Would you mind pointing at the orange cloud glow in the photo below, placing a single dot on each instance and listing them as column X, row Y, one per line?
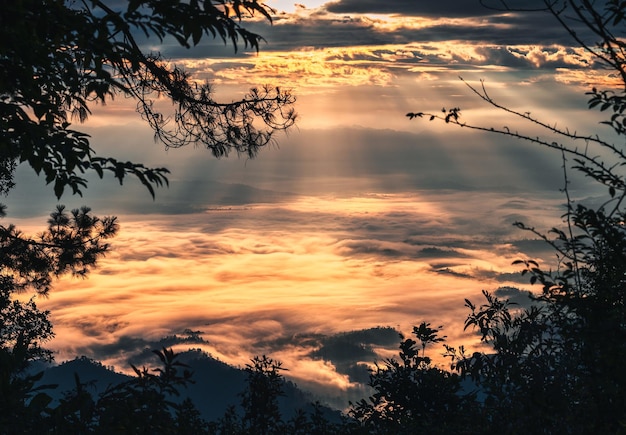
column 313, row 70
column 361, row 219
column 314, row 265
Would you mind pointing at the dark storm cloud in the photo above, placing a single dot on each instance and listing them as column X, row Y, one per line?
column 385, row 248
column 536, row 28
column 341, row 24
column 449, row 271
column 483, row 274
column 376, row 248
column 479, row 274
column 328, row 30
column 534, row 248
column 122, row 345
column 490, row 24
column 431, row 9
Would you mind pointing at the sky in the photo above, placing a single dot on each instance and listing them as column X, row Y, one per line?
column 358, row 223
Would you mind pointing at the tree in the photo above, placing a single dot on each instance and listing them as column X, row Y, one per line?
column 72, row 244
column 414, row 396
column 259, row 400
column 58, row 58
column 556, row 367
column 145, row 404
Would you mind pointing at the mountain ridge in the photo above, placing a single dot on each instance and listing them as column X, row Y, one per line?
column 215, row 385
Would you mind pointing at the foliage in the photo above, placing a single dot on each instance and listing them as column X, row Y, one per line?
column 58, row 58
column 72, row 244
column 152, row 402
column 556, row 367
column 143, row 404
column 260, row 399
column 259, row 411
column 414, row 396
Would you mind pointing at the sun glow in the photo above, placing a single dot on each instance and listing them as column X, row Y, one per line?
column 323, row 265
column 360, row 218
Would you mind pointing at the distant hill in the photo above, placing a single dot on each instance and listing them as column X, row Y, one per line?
column 216, row 384
column 90, row 372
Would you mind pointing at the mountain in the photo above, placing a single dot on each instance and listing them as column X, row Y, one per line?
column 216, row 385
column 90, row 372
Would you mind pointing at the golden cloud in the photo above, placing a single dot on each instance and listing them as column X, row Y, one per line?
column 258, row 280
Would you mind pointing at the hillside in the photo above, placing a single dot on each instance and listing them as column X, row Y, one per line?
column 215, row 387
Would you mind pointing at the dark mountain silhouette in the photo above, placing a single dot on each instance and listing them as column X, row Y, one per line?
column 90, row 372
column 216, row 385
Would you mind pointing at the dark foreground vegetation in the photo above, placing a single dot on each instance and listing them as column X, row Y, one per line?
column 556, row 367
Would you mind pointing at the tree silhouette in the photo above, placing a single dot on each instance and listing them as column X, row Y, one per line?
column 144, row 404
column 414, row 396
column 58, row 58
column 260, row 398
column 260, row 412
column 556, row 367
column 72, row 244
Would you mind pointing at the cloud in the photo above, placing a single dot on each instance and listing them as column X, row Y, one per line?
column 360, row 224
column 322, row 282
column 353, row 353
column 516, row 296
column 349, row 353
column 361, row 221
column 434, row 252
column 461, row 24
column 336, row 160
column 347, row 23
column 446, row 8
column 217, row 272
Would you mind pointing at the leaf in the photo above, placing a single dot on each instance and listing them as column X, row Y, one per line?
column 96, row 167
column 39, row 402
column 196, row 34
column 59, row 186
